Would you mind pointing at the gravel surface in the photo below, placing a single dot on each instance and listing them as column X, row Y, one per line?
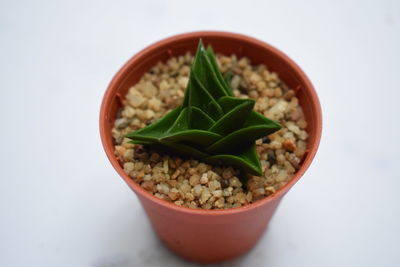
column 189, row 182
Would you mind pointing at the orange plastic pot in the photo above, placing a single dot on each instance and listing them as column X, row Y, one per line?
column 210, row 235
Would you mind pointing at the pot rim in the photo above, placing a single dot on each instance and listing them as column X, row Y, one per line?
column 109, row 149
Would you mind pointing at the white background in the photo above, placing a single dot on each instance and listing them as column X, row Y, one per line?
column 61, row 202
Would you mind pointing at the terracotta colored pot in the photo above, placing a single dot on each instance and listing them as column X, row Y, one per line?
column 210, row 235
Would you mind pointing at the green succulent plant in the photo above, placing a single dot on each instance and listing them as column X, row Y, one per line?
column 210, row 124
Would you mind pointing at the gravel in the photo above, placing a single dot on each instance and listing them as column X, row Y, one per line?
column 190, row 182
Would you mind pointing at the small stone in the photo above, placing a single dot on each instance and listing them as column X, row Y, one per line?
column 282, row 176
column 228, row 191
column 189, row 196
column 240, row 198
column 258, row 193
column 218, row 193
column 202, row 167
column 140, row 176
column 266, row 140
column 219, row 203
column 270, row 190
column 135, row 98
column 235, row 182
column 204, row 178
column 214, row 185
column 213, row 176
column 276, row 145
column 172, row 183
column 148, row 185
column 179, row 202
column 185, row 188
column 224, row 183
column 122, row 123
column 289, row 95
column 175, row 174
column 289, row 145
column 271, row 157
column 228, row 173
column 293, row 128
column 128, row 112
column 154, row 104
column 173, row 194
column 230, row 199
column 128, row 167
column 249, row 197
column 302, row 123
column 197, row 190
column 281, row 159
column 301, row 149
column 154, row 157
column 163, row 188
column 303, row 135
column 149, row 114
column 289, row 167
column 149, row 90
column 295, row 115
column 194, row 179
column 205, row 195
column 165, row 166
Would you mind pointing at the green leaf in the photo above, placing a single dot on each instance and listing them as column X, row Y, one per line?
column 256, row 127
column 181, row 123
column 214, row 64
column 228, row 77
column 235, row 117
column 204, row 70
column 198, row 96
column 199, row 119
column 246, row 160
column 157, row 129
column 256, row 118
column 182, row 149
column 194, row 137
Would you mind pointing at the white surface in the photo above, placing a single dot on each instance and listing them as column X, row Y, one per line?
column 61, row 202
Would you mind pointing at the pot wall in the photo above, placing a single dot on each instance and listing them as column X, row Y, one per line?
column 209, row 238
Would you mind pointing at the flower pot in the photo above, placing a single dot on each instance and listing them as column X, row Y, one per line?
column 210, row 235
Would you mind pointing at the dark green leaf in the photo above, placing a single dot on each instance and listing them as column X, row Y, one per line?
column 228, row 77
column 199, row 119
column 235, row 117
column 246, row 160
column 215, row 68
column 206, row 73
column 255, row 127
column 157, row 129
column 195, row 137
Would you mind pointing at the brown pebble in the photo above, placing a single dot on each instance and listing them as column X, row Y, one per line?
column 228, row 173
column 173, row 194
column 172, row 183
column 224, row 183
column 295, row 115
column 194, row 180
column 148, row 185
column 289, row 95
column 289, row 145
column 139, row 177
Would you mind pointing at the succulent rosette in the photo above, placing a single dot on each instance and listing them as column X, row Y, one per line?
column 210, row 124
